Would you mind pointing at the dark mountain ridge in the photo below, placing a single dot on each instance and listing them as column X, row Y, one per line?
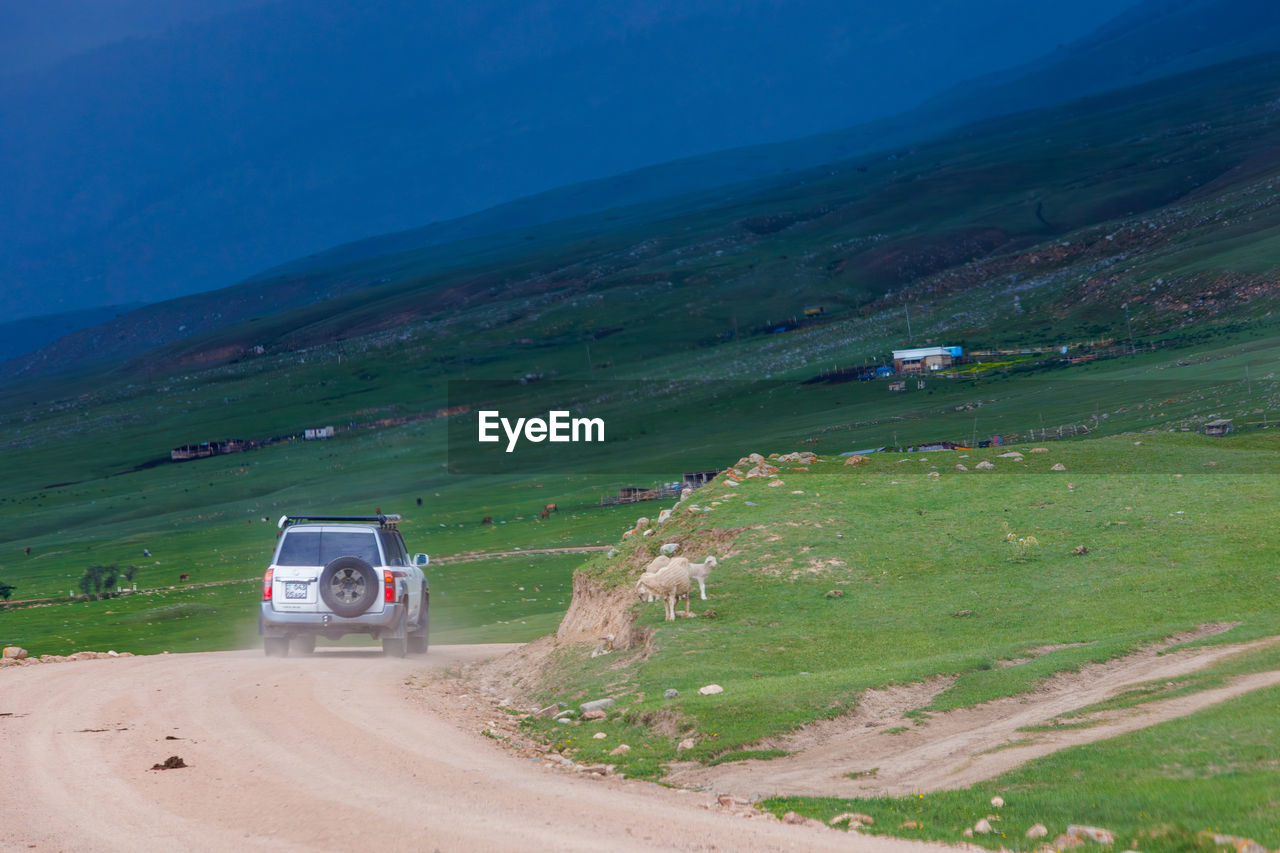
column 1063, row 213
column 183, row 160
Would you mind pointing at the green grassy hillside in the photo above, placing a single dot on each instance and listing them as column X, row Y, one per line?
column 1138, row 230
column 901, row 568
column 1034, row 226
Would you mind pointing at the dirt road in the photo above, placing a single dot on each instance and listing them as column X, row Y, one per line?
column 889, row 755
column 333, row 752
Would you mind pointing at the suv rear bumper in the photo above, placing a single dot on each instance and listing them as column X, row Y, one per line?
column 277, row 624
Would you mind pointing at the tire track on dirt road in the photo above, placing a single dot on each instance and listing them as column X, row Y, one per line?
column 334, row 751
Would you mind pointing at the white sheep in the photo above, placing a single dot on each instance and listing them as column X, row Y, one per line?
column 668, row 583
column 654, row 565
column 700, row 571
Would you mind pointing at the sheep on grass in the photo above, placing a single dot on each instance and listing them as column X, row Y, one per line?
column 700, row 571
column 653, row 567
column 668, row 583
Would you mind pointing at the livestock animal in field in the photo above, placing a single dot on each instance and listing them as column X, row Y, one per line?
column 544, row 514
column 654, row 565
column 488, row 519
column 668, row 583
column 700, row 571
column 551, row 508
column 184, row 577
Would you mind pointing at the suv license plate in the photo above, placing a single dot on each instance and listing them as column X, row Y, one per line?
column 296, row 589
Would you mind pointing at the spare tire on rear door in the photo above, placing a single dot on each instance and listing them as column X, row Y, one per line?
column 349, row 585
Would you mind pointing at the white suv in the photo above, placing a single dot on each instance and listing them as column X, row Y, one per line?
column 336, row 575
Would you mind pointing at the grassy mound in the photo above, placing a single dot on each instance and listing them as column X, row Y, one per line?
column 842, row 578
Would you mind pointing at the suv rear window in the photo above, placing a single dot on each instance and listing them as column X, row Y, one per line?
column 314, row 548
column 393, row 547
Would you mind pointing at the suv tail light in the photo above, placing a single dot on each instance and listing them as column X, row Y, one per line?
column 388, row 586
column 266, row 584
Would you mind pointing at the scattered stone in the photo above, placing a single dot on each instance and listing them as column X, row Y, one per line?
column 669, row 548
column 982, row 827
column 792, row 818
column 1092, row 833
column 911, row 824
column 855, row 820
column 710, row 690
column 1037, row 831
column 985, row 465
column 1066, row 841
column 1079, row 550
column 551, row 710
column 613, row 552
column 564, row 721
column 834, row 593
column 1045, row 449
column 855, row 460
column 594, row 715
column 670, row 693
column 960, row 466
column 963, row 613
column 1058, row 466
column 1240, row 845
column 620, row 749
column 1012, row 454
column 648, row 532
column 641, row 523
column 596, row 705
column 968, row 832
column 173, row 762
column 599, row 736
column 687, row 743
column 15, row 652
column 997, row 801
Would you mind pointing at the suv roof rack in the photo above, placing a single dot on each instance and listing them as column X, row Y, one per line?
column 390, row 520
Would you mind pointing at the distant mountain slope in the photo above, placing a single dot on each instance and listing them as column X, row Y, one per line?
column 1039, row 224
column 23, row 336
column 1154, row 39
column 191, row 158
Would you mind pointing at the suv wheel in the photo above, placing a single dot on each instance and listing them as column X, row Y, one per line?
column 275, row 647
column 349, row 586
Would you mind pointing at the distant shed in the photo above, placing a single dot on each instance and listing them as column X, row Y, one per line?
column 1219, row 428
column 923, row 359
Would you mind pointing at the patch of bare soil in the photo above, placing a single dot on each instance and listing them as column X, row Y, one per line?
column 878, row 751
column 1039, row 651
column 339, row 751
column 599, row 614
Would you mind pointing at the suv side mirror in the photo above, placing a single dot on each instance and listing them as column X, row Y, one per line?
column 421, row 560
